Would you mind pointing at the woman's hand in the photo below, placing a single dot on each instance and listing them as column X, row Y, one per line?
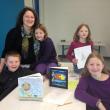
column 1, row 67
column 2, row 62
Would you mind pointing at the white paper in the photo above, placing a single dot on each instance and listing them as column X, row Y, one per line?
column 58, row 97
column 81, row 54
column 61, row 67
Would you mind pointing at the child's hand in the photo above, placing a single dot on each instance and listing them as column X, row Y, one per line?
column 101, row 106
column 74, row 61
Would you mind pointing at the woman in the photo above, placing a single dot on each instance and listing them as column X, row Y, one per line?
column 20, row 38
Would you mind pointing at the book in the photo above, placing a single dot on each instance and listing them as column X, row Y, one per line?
column 81, row 54
column 31, row 87
column 59, row 77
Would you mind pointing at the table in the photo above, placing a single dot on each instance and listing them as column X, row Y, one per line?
column 11, row 102
column 99, row 44
column 65, row 45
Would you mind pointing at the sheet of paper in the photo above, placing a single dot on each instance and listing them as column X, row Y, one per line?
column 58, row 97
column 73, row 84
column 81, row 54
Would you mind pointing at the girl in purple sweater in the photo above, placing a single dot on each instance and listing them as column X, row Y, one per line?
column 47, row 53
column 94, row 85
column 82, row 37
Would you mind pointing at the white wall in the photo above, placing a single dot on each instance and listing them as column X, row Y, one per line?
column 62, row 17
column 28, row 3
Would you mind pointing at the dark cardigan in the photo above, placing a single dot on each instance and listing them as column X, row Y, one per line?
column 13, row 42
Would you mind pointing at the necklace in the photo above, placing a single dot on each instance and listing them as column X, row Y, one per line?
column 101, row 77
column 97, row 77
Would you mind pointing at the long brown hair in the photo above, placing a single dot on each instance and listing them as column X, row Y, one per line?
column 76, row 37
column 43, row 28
column 19, row 21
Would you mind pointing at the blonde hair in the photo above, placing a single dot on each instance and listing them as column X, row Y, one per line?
column 94, row 54
column 12, row 53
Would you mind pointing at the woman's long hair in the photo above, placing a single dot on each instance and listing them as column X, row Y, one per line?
column 19, row 21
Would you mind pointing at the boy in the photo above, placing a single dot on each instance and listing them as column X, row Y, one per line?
column 10, row 73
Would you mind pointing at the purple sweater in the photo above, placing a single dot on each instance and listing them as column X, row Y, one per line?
column 47, row 53
column 90, row 90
